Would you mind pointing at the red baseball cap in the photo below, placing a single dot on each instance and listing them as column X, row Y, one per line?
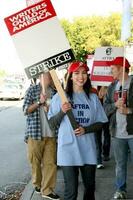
column 119, row 61
column 75, row 65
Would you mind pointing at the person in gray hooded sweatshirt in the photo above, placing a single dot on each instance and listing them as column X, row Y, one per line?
column 118, row 105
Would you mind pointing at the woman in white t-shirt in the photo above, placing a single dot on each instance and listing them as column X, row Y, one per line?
column 77, row 148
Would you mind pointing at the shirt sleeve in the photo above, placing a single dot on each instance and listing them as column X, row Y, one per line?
column 55, row 115
column 54, row 107
column 108, row 104
column 27, row 100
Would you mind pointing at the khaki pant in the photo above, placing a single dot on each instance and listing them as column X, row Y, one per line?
column 42, row 156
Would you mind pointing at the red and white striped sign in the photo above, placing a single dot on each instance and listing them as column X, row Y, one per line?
column 101, row 71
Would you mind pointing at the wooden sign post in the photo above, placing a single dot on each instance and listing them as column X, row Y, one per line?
column 63, row 98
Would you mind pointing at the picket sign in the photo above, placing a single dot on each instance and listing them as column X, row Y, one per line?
column 41, row 43
column 101, row 71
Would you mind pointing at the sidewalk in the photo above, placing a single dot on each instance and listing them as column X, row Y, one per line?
column 104, row 184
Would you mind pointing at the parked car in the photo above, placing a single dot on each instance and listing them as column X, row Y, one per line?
column 11, row 91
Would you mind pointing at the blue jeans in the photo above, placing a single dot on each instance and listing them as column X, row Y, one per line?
column 71, row 174
column 121, row 148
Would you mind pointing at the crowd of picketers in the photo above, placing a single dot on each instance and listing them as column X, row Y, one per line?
column 100, row 113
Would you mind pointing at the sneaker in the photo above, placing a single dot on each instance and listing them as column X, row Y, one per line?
column 100, row 166
column 51, row 196
column 37, row 190
column 106, row 158
column 120, row 195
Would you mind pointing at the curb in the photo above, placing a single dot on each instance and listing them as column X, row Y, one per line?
column 28, row 192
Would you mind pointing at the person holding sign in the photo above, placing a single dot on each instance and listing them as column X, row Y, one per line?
column 77, row 148
column 40, row 139
column 118, row 106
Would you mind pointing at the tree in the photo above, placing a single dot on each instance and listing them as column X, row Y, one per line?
column 85, row 34
column 111, row 34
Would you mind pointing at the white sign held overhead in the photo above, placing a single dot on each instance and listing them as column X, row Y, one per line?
column 39, row 38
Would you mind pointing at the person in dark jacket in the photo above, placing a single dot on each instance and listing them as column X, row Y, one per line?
column 118, row 105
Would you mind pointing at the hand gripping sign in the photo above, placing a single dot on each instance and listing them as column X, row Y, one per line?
column 40, row 43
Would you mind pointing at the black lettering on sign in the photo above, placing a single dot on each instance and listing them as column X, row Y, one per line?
column 50, row 63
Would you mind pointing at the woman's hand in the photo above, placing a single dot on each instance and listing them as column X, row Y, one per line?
column 79, row 131
column 65, row 107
